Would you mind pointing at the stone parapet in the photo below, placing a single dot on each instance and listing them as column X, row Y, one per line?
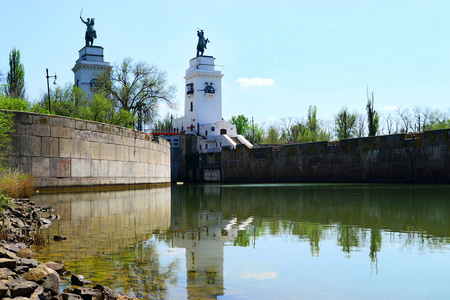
column 65, row 152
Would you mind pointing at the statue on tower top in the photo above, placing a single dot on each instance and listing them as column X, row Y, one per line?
column 91, row 34
column 201, row 45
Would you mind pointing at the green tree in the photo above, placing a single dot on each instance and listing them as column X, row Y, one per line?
column 16, row 76
column 257, row 134
column 273, row 135
column 6, row 128
column 13, row 103
column 242, row 124
column 165, row 124
column 312, row 118
column 345, row 123
column 69, row 101
column 372, row 115
column 136, row 88
column 100, row 110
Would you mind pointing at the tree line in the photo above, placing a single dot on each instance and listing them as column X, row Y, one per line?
column 346, row 124
column 128, row 94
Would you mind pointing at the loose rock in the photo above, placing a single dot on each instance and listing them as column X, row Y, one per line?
column 24, row 278
column 3, row 289
column 59, row 238
column 20, row 287
column 78, row 280
column 39, row 273
column 7, row 263
column 56, row 267
column 25, row 253
column 70, row 296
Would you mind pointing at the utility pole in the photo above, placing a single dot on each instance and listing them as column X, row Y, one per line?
column 253, row 129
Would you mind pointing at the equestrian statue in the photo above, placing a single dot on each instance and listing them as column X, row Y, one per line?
column 90, row 31
column 201, row 45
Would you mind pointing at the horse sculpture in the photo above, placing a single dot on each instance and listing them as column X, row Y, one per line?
column 201, row 45
column 91, row 34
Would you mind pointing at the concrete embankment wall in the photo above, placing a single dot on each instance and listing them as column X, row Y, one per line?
column 65, row 152
column 419, row 158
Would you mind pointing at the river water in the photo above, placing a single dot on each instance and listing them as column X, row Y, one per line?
column 287, row 241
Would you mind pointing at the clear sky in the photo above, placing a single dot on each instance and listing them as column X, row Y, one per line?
column 278, row 57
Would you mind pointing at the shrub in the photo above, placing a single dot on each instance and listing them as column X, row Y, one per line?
column 6, row 128
column 16, row 185
column 5, row 202
column 13, row 103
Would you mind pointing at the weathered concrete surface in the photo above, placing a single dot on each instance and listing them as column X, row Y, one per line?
column 66, row 152
column 400, row 158
column 397, row 158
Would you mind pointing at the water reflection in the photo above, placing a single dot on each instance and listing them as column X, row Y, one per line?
column 207, row 218
column 192, row 241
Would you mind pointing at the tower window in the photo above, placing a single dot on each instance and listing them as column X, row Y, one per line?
column 209, row 89
column 192, row 106
column 92, row 83
column 190, row 88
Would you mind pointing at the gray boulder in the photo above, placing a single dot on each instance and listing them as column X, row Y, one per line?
column 20, row 287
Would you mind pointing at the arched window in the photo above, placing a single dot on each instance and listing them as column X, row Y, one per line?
column 209, row 89
column 92, row 83
column 190, row 88
column 223, row 131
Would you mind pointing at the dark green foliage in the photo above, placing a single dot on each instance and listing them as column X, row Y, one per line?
column 241, row 122
column 6, row 128
column 372, row 116
column 16, row 76
column 312, row 118
column 345, row 124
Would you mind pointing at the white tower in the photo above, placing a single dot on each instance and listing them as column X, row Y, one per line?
column 203, row 100
column 89, row 64
column 203, row 108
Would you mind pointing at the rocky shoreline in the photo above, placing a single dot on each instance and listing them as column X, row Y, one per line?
column 22, row 277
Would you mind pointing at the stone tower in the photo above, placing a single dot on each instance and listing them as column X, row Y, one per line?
column 89, row 64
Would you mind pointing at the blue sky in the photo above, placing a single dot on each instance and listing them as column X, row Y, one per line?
column 278, row 57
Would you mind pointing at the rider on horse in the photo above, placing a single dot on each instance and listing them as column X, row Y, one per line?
column 201, row 45
column 90, row 31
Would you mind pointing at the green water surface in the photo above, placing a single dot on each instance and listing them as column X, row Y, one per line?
column 290, row 241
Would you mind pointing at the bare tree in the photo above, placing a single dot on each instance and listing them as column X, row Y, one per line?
column 418, row 118
column 389, row 123
column 286, row 131
column 136, row 88
column 361, row 125
column 405, row 119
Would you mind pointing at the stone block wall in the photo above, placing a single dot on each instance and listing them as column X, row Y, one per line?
column 66, row 152
column 400, row 158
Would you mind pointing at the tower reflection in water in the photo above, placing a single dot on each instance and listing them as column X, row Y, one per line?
column 200, row 227
column 125, row 239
